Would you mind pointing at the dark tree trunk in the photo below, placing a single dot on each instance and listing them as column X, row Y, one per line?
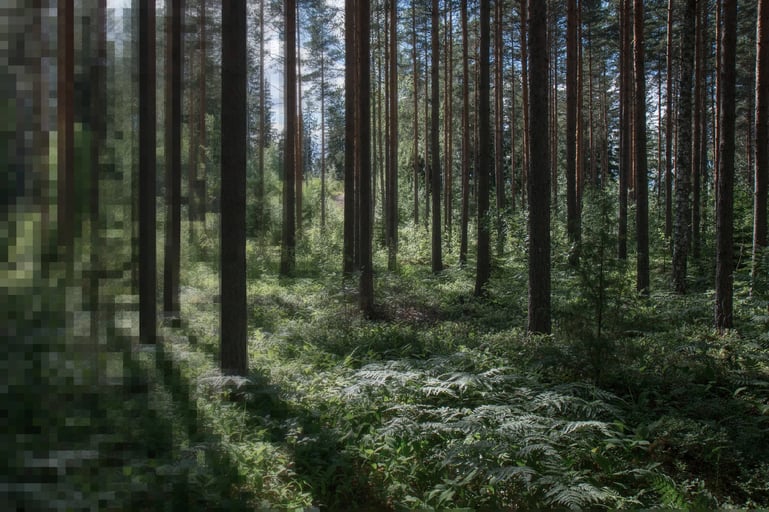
column 526, row 136
column 483, row 263
column 173, row 159
column 684, row 145
column 572, row 222
column 669, row 125
column 366, row 287
column 698, row 118
column 147, row 174
column 234, row 359
column 464, row 220
column 762, row 140
column 65, row 218
column 625, row 159
column 350, row 75
column 539, row 174
column 499, row 179
column 724, row 316
column 392, row 171
column 639, row 147
column 415, row 151
column 435, row 149
column 288, row 245
column 260, row 199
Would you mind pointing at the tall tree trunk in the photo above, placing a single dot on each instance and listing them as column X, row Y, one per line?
column 234, row 358
column 173, row 159
column 464, row 221
column 415, row 151
column 288, row 245
column 366, row 287
column 200, row 188
column 435, row 172
column 260, row 199
column 299, row 141
column 513, row 186
column 499, row 178
column 669, row 125
column 724, row 316
column 192, row 145
column 323, row 142
column 539, row 174
column 392, row 172
column 524, row 4
column 682, row 229
column 449, row 114
column 698, row 116
column 483, row 262
column 572, row 221
column 762, row 142
column 147, row 172
column 350, row 105
column 625, row 158
column 639, row 147
column 65, row 211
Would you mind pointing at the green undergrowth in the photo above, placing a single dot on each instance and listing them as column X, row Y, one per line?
column 443, row 402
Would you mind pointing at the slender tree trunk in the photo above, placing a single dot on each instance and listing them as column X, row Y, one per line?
column 762, row 142
column 415, row 151
column 698, row 116
column 499, row 179
column 173, row 159
column 724, row 315
column 288, row 246
column 525, row 98
column 625, row 163
column 435, row 171
column 572, row 222
column 682, row 226
column 669, row 125
column 193, row 145
column 234, row 358
column 539, row 174
column 200, row 188
column 65, row 210
column 350, row 105
column 513, row 187
column 483, row 263
column 260, row 199
column 299, row 141
column 639, row 147
column 449, row 114
column 323, row 142
column 147, row 172
column 465, row 137
column 392, row 174
column 366, row 287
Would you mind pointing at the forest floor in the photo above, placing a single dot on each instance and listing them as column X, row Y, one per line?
column 442, row 402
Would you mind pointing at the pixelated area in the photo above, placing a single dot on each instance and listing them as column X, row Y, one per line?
column 90, row 420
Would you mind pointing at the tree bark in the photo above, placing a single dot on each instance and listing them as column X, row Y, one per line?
column 366, row 287
column 499, row 178
column 435, row 171
column 682, row 231
column 724, row 315
column 539, row 174
column 464, row 221
column 234, row 360
column 525, row 137
column 572, row 222
column 147, row 174
column 173, row 159
column 639, row 147
column 669, row 125
column 392, row 171
column 762, row 141
column 483, row 261
column 350, row 75
column 625, row 159
column 288, row 245
column 65, row 212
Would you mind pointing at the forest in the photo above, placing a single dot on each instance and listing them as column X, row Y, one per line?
column 312, row 255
